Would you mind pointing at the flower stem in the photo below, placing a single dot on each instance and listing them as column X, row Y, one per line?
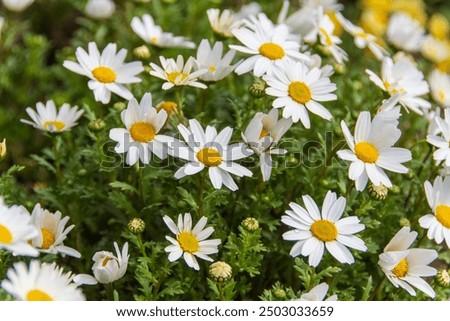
column 179, row 94
column 55, row 143
column 377, row 288
column 220, row 288
column 141, row 245
column 200, row 194
column 141, row 184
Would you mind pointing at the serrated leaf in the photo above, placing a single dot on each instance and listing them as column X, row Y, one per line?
column 125, row 187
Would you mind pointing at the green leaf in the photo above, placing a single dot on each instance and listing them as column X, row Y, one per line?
column 124, row 187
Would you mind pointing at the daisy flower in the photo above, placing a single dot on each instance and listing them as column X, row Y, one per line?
column 222, row 23
column 405, row 33
column 314, row 230
column 318, row 293
column 140, row 138
column 404, row 267
column 403, row 77
column 440, row 88
column 190, row 242
column 100, row 9
column 371, row 150
column 442, row 142
column 177, row 73
column 107, row 71
column 435, row 50
column 154, row 35
column 438, row 196
column 41, row 282
column 211, row 59
column 107, row 267
column 328, row 39
column 16, row 229
column 53, row 232
column 209, row 149
column 263, row 134
column 269, row 45
column 299, row 89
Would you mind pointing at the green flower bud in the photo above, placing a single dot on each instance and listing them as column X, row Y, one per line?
column 97, row 125
column 220, row 271
column 257, row 89
column 379, row 192
column 279, row 293
column 250, row 224
column 119, row 106
column 142, row 52
column 136, row 225
column 404, row 222
column 443, row 278
column 3, row 149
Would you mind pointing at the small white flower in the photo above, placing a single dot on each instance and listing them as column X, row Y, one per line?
column 211, row 59
column 153, row 34
column 405, row 267
column 405, row 33
column 41, row 282
column 316, row 229
column 53, row 232
column 16, row 229
column 263, row 134
column 190, row 242
column 438, row 196
column 403, row 77
column 440, row 88
column 328, row 39
column 209, row 149
column 177, row 73
column 17, row 5
column 299, row 89
column 100, row 9
column 442, row 142
column 317, row 293
column 47, row 118
column 107, row 267
column 107, row 71
column 222, row 23
column 435, row 50
column 141, row 136
column 269, row 45
column 371, row 150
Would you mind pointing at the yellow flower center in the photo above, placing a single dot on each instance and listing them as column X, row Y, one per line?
column 142, row 132
column 212, row 68
column 38, row 295
column 169, row 106
column 104, row 74
column 209, row 157
column 439, row 26
column 299, row 92
column 48, row 238
column 327, row 37
column 400, row 269
column 154, row 39
column 337, row 26
column 5, row 235
column 188, row 242
column 263, row 133
column 441, row 95
column 271, row 50
column 324, row 230
column 443, row 215
column 52, row 125
column 366, row 152
column 172, row 76
column 106, row 260
column 444, row 65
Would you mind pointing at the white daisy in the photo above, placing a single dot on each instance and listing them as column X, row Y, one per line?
column 302, row 22
column 53, row 232
column 107, row 71
column 211, row 59
column 328, row 39
column 16, row 229
column 154, row 35
column 209, row 149
column 318, row 293
column 190, row 242
column 107, row 267
column 263, row 134
column 442, row 142
column 299, row 89
column 141, row 136
column 371, row 150
column 47, row 118
column 405, row 33
column 177, row 73
column 100, row 9
column 17, row 5
column 435, row 50
column 403, row 77
column 405, row 267
column 314, row 230
column 269, row 45
column 438, row 196
column 41, row 282
column 440, row 87
column 362, row 39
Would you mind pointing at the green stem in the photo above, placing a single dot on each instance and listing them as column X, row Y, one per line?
column 200, row 196
column 109, row 291
column 141, row 245
column 220, row 288
column 179, row 94
column 141, row 184
column 56, row 156
column 160, row 280
column 375, row 291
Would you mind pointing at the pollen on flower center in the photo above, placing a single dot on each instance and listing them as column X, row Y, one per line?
column 324, row 230
column 212, row 68
column 106, row 260
column 53, row 125
column 271, row 50
column 104, row 74
column 299, row 91
column 169, row 106
column 48, row 238
column 209, row 157
column 401, row 269
column 263, row 133
column 188, row 242
column 366, row 152
column 142, row 132
column 38, row 295
column 172, row 76
column 443, row 215
column 5, row 235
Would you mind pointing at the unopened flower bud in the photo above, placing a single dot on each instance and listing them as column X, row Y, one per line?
column 97, row 125
column 142, row 52
column 250, row 224
column 378, row 192
column 220, row 271
column 3, row 149
column 257, row 89
column 136, row 225
column 169, row 106
column 279, row 293
column 443, row 278
column 119, row 106
column 404, row 222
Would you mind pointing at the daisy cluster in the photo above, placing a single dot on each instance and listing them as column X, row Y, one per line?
column 177, row 145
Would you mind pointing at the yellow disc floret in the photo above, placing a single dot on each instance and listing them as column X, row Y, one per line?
column 38, row 295
column 48, row 239
column 366, row 152
column 324, row 230
column 299, row 92
column 5, row 235
column 104, row 74
column 401, row 269
column 209, row 157
column 271, row 50
column 188, row 242
column 142, row 132
column 443, row 215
